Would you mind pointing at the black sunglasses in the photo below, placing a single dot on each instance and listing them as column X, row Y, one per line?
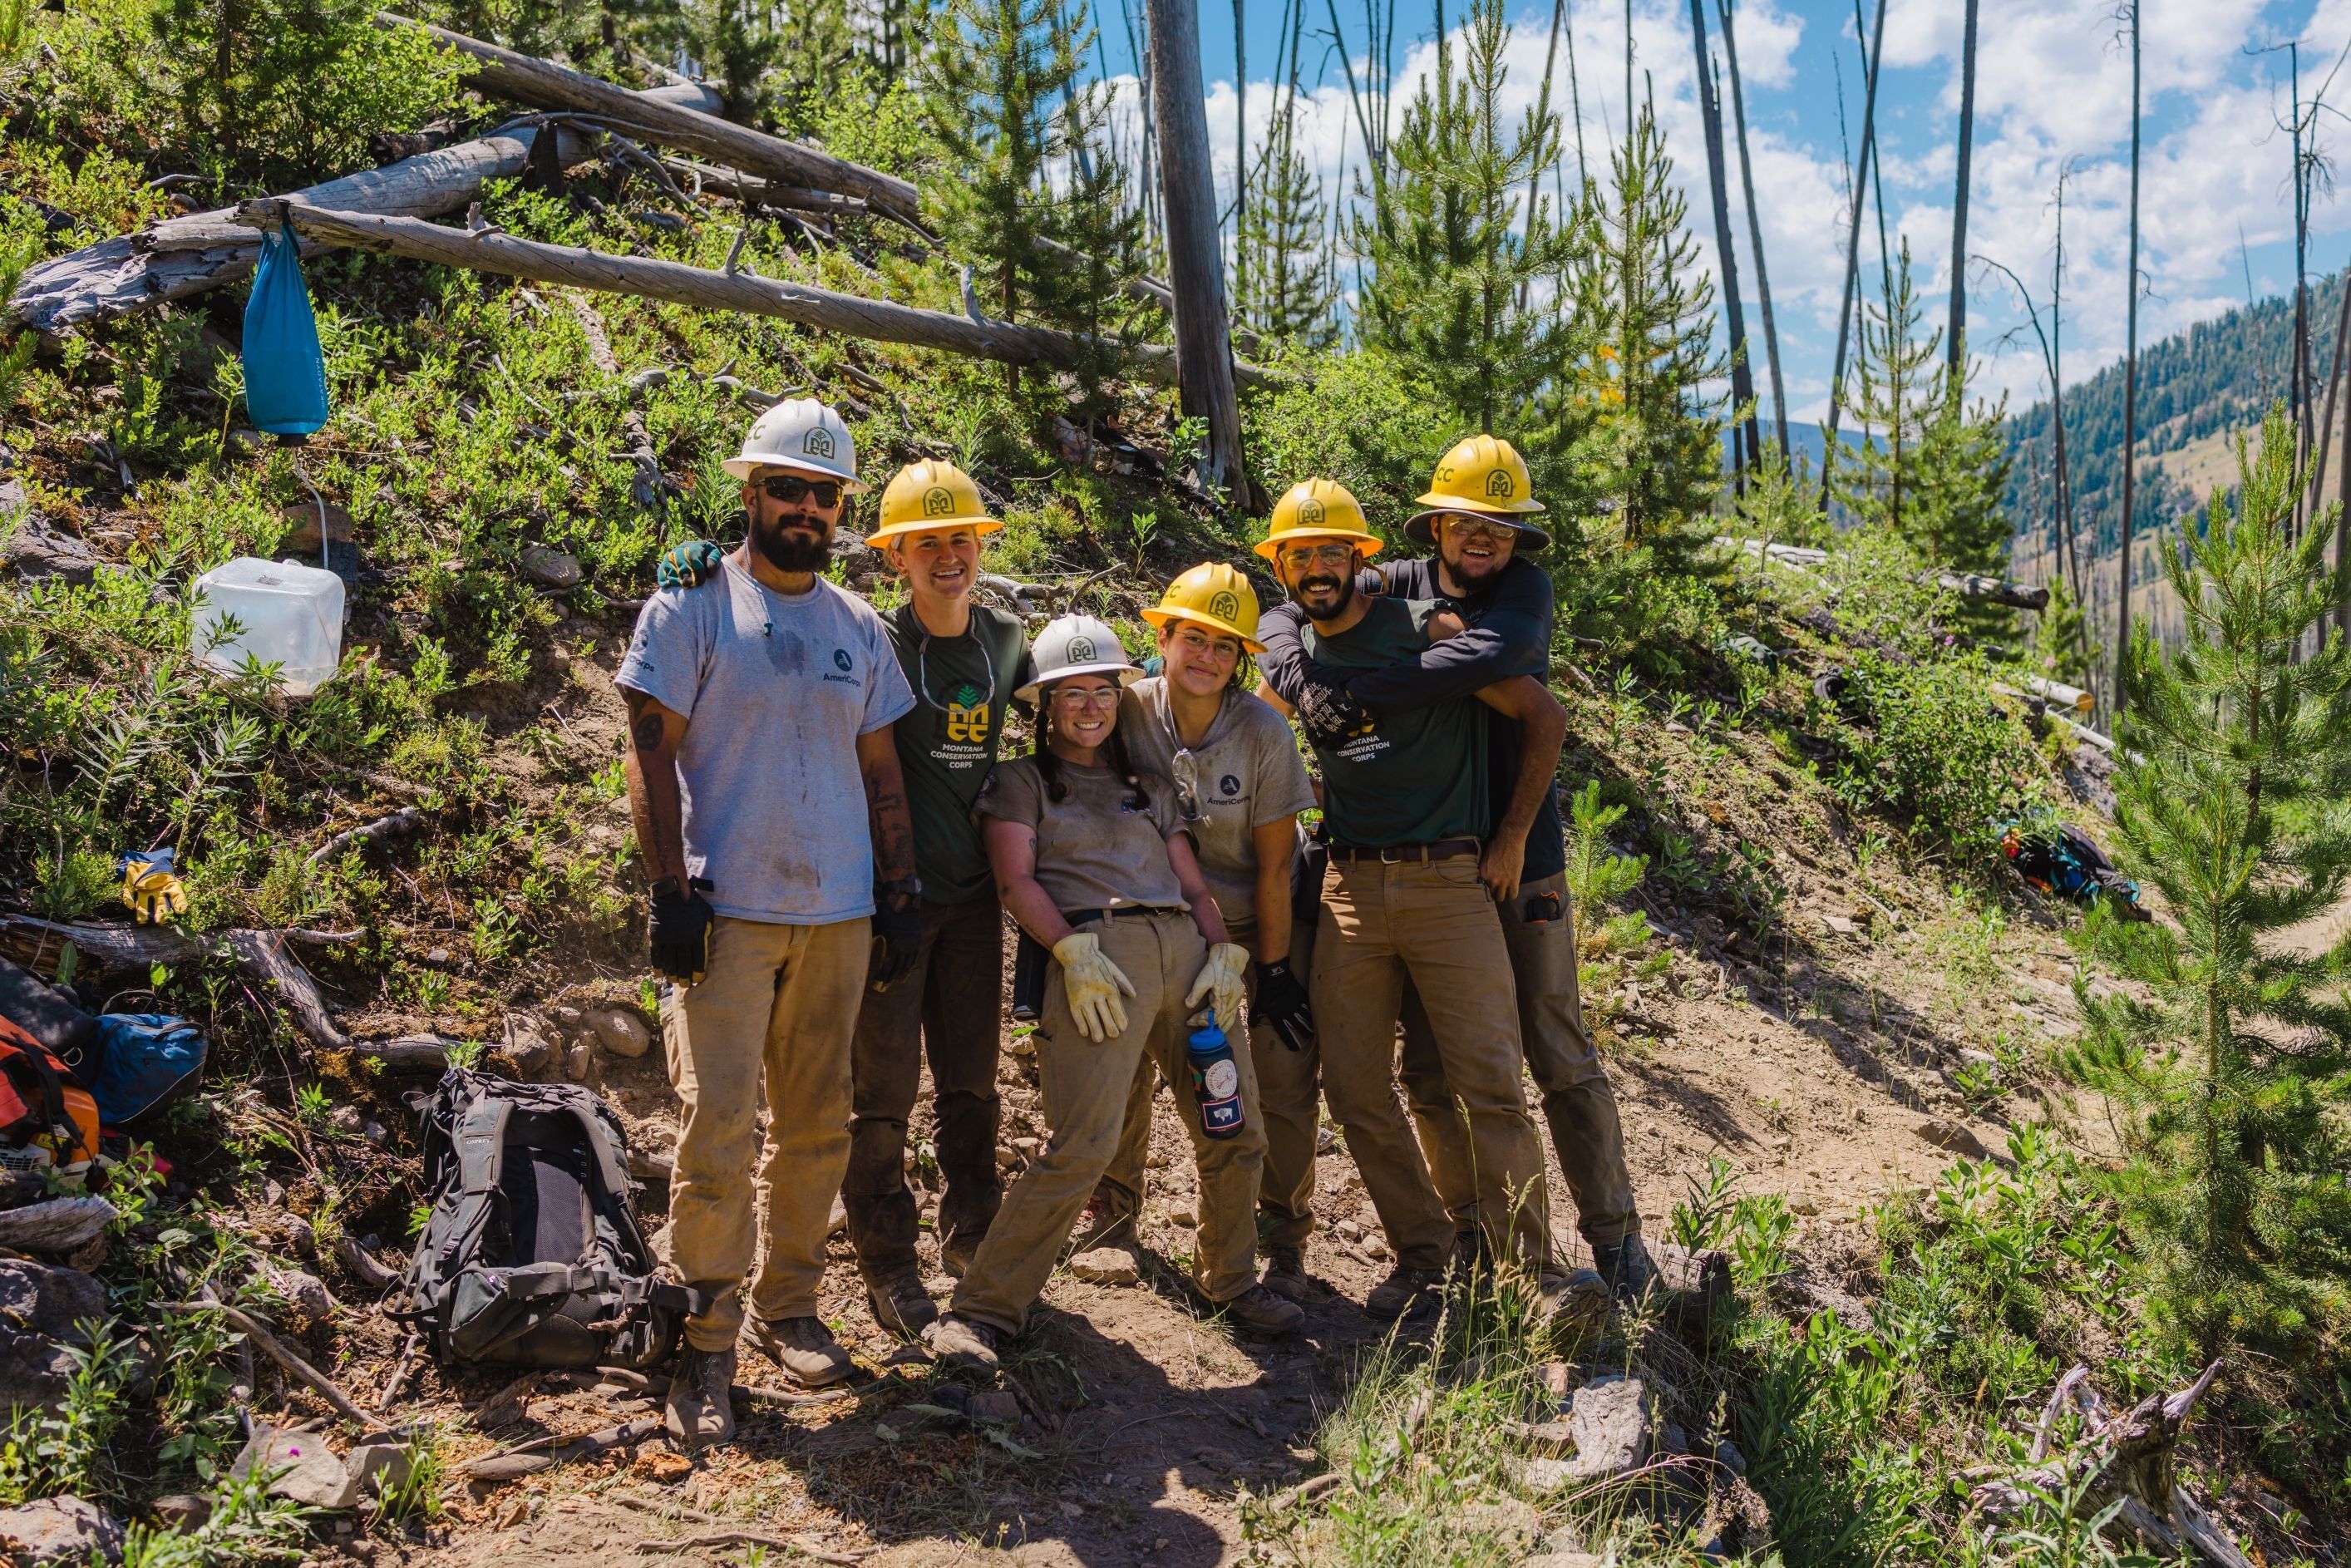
column 791, row 489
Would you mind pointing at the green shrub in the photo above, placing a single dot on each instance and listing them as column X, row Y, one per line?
column 1940, row 751
column 1362, row 419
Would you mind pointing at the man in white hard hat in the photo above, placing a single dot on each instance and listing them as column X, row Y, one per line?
column 772, row 818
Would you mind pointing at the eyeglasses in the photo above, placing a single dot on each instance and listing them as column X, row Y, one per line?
column 791, row 489
column 1304, row 556
column 1086, row 697
column 1461, row 527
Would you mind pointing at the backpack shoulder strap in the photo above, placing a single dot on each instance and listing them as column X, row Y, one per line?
column 481, row 1140
column 609, row 1163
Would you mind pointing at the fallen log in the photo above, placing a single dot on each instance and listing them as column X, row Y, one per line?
column 1966, row 584
column 262, row 955
column 649, row 487
column 546, row 1454
column 363, row 1265
column 851, row 315
column 187, row 255
column 398, row 825
column 543, row 84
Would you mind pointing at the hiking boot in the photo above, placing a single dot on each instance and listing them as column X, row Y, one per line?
column 805, row 1349
column 1260, row 1311
column 955, row 1256
column 1106, row 1222
column 699, row 1409
column 1625, row 1268
column 1471, row 1259
column 1285, row 1274
column 901, row 1304
column 963, row 1344
column 1405, row 1291
column 1577, row 1299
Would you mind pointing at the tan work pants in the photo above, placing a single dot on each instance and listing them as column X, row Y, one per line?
column 777, row 1001
column 1433, row 923
column 1577, row 1101
column 1086, row 1086
column 1290, row 1085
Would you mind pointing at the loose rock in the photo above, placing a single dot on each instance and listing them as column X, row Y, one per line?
column 1954, row 1137
column 305, row 1293
column 181, row 1510
column 377, row 1467
column 1509, row 1522
column 550, row 567
column 41, row 1312
column 61, row 1529
column 620, row 1031
column 1610, row 1420
column 996, row 1406
column 308, row 1472
column 1106, row 1266
column 303, row 535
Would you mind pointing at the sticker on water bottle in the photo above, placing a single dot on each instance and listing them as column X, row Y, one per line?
column 1224, row 1080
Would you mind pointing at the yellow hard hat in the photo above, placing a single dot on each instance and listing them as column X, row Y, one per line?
column 1215, row 596
column 931, row 495
column 1320, row 508
column 1484, row 475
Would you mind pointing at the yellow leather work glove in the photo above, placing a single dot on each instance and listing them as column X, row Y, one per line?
column 151, row 886
column 1092, row 984
column 1221, row 977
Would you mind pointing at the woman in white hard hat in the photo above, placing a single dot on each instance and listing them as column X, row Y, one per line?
column 1092, row 857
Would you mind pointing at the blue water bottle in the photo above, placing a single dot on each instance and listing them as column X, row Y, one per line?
column 1216, row 1076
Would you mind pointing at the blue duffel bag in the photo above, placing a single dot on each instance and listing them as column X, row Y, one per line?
column 144, row 1061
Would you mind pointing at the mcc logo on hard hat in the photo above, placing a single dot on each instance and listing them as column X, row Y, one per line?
column 1320, row 508
column 1484, row 475
column 932, row 494
column 801, row 434
column 1213, row 595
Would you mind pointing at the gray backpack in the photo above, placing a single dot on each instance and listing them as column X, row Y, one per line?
column 533, row 1255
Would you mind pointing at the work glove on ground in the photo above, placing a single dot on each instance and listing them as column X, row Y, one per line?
column 1220, row 976
column 679, row 931
column 150, row 885
column 1093, row 985
column 1281, row 1001
column 897, row 936
column 1328, row 710
column 689, row 565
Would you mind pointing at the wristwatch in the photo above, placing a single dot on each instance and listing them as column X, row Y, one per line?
column 666, row 887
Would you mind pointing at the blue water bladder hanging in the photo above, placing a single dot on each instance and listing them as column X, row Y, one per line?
column 284, row 370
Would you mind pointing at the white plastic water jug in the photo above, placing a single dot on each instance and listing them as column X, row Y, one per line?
column 287, row 615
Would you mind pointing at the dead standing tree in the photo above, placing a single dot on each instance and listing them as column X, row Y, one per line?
column 1754, row 220
column 1852, row 251
column 1742, row 381
column 1203, row 348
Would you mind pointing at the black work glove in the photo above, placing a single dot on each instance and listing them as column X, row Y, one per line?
column 1281, row 1001
column 1328, row 710
column 679, row 931
column 897, row 937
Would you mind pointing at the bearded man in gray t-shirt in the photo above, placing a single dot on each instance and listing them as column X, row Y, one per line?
column 772, row 817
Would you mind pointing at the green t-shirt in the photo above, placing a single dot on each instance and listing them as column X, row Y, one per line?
column 948, row 741
column 1419, row 776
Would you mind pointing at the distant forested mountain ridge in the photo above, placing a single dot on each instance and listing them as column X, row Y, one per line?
column 2196, row 392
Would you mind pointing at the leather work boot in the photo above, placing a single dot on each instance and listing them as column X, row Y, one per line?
column 901, row 1304
column 1627, row 1268
column 1285, row 1274
column 963, row 1344
column 805, row 1349
column 1405, row 1291
column 1260, row 1311
column 1576, row 1302
column 699, row 1410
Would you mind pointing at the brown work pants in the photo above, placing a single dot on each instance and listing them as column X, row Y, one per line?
column 1430, row 923
column 778, row 1003
column 1576, row 1098
column 1289, row 1085
column 1086, row 1086
column 949, row 1007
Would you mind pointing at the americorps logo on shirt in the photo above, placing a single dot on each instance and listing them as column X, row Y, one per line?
column 843, row 662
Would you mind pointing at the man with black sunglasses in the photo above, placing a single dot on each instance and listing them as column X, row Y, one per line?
column 1480, row 517
column 772, row 817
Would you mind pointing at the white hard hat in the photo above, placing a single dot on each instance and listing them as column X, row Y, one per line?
column 798, row 432
column 1077, row 646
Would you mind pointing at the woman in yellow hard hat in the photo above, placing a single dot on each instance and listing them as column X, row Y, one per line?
column 1240, row 784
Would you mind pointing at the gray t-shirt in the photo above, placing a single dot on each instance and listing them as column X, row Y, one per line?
column 1094, row 850
column 1247, row 773
column 775, row 689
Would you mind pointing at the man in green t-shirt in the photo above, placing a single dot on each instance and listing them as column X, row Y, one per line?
column 1416, row 862
column 963, row 662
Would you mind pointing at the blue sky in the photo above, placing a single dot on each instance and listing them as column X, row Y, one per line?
column 2052, row 97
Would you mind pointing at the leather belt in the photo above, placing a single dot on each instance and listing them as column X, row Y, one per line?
column 1442, row 850
column 1122, row 912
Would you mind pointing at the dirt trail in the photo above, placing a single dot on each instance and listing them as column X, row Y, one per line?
column 1814, row 1074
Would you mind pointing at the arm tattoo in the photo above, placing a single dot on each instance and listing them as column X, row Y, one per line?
column 646, row 726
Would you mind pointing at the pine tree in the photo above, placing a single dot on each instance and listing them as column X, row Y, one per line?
column 1893, row 398
column 1955, row 516
column 2231, row 1055
column 1450, row 252
column 1292, row 289
column 1654, row 440
column 1027, row 173
column 2061, row 637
